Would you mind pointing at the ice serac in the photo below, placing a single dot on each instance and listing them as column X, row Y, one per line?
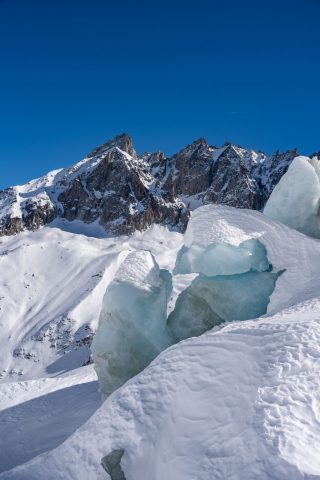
column 232, row 280
column 132, row 326
column 210, row 301
column 222, row 258
column 295, row 201
column 235, row 278
column 214, row 246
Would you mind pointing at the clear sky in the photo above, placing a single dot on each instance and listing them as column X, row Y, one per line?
column 76, row 72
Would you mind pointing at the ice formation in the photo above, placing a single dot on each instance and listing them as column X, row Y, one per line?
column 222, row 258
column 295, row 200
column 235, row 278
column 209, row 301
column 234, row 281
column 132, row 327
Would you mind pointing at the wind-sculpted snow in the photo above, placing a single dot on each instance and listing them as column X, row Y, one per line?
column 132, row 328
column 238, row 403
column 295, row 201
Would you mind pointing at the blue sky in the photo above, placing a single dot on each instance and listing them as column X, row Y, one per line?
column 76, row 72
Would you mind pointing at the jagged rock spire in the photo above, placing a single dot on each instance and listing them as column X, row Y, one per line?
column 122, row 141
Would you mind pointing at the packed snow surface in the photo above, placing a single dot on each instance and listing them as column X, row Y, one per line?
column 295, row 200
column 238, row 402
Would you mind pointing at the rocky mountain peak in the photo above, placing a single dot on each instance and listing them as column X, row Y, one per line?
column 122, row 141
column 196, row 145
column 123, row 192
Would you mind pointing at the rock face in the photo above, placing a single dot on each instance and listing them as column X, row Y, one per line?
column 124, row 192
column 229, row 175
column 111, row 464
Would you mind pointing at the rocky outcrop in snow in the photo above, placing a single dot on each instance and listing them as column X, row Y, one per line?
column 111, row 186
column 124, row 192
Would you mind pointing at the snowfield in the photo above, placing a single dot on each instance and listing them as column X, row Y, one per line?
column 241, row 401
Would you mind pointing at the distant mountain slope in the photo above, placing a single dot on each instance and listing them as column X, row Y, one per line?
column 51, row 288
column 124, row 192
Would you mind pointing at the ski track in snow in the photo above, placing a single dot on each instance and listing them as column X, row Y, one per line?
column 239, row 402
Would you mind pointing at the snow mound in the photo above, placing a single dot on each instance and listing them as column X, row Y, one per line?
column 295, row 200
column 238, row 403
column 132, row 326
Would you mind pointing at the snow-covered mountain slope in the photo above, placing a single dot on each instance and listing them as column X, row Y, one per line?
column 111, row 186
column 51, row 289
column 122, row 192
column 238, row 403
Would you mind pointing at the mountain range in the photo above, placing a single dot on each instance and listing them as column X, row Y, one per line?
column 120, row 191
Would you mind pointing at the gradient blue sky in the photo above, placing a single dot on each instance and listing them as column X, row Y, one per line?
column 76, row 72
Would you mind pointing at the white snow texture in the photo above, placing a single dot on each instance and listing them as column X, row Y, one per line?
column 240, row 402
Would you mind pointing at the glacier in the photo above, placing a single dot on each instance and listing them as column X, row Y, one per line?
column 233, row 281
column 295, row 200
column 240, row 401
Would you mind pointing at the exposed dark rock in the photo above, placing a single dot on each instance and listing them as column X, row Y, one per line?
column 123, row 192
column 111, row 464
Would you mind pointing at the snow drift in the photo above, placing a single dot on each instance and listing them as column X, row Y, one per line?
column 239, row 403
